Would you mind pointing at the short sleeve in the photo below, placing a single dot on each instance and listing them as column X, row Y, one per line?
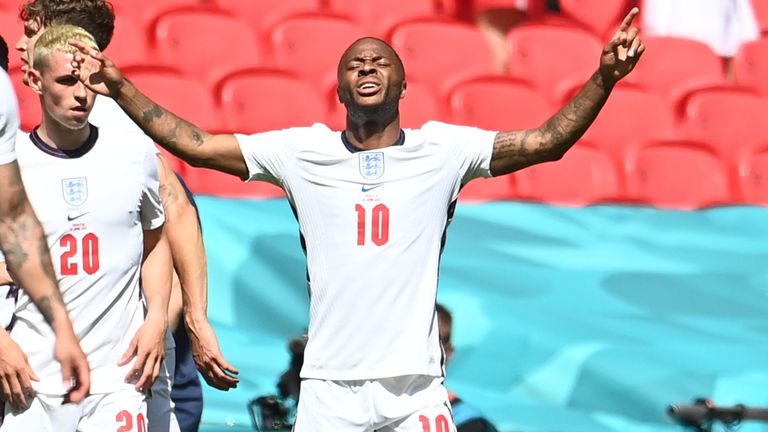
column 152, row 214
column 9, row 120
column 471, row 147
column 267, row 154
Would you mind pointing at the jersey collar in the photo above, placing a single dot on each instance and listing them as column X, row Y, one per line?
column 66, row 154
column 352, row 149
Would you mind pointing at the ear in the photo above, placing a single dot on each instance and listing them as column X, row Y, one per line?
column 35, row 80
column 403, row 89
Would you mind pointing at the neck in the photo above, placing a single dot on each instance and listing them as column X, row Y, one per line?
column 61, row 137
column 370, row 132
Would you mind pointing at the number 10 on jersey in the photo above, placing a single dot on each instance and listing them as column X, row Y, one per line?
column 379, row 224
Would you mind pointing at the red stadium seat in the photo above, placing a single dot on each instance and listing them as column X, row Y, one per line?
column 381, row 16
column 490, row 189
column 129, row 45
column 750, row 65
column 599, row 16
column 419, row 106
column 205, row 45
column 258, row 101
column 184, row 97
column 498, row 104
column 310, row 46
column 29, row 102
column 146, row 12
column 585, row 175
column 631, row 115
column 760, row 7
column 673, row 66
column 753, row 177
column 553, row 58
column 441, row 53
column 11, row 30
column 681, row 174
column 209, row 182
column 731, row 120
column 262, row 15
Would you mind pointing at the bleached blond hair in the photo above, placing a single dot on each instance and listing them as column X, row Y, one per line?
column 56, row 39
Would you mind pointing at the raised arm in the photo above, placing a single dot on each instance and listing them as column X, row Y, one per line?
column 23, row 241
column 514, row 150
column 185, row 140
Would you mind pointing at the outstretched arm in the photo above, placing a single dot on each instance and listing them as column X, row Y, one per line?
column 514, row 150
column 186, row 242
column 26, row 252
column 180, row 137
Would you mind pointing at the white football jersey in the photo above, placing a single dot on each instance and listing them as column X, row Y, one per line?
column 9, row 119
column 93, row 204
column 373, row 227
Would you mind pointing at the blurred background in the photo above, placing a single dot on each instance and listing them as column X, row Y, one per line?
column 587, row 294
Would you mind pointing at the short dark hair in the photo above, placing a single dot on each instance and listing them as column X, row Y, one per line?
column 97, row 17
column 3, row 54
column 444, row 323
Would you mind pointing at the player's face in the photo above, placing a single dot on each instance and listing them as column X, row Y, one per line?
column 65, row 98
column 370, row 74
column 32, row 31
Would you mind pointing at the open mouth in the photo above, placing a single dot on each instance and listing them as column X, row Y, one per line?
column 369, row 88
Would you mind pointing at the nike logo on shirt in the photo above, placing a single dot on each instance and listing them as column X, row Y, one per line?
column 370, row 187
column 71, row 218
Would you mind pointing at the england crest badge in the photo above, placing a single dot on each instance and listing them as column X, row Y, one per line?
column 75, row 190
column 371, row 165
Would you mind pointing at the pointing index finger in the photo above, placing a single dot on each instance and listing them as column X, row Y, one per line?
column 627, row 22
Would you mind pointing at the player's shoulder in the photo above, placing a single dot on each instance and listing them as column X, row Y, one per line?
column 293, row 137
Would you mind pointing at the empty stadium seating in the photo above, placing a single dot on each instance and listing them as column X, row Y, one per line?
column 205, row 45
column 419, row 106
column 378, row 17
column 678, row 174
column 760, row 8
column 585, row 175
column 258, row 101
column 262, row 15
column 631, row 114
column 182, row 96
column 598, row 16
column 129, row 45
column 750, row 65
column 498, row 104
column 731, row 120
column 441, row 53
column 673, row 66
column 310, row 46
column 753, row 176
column 553, row 58
column 146, row 12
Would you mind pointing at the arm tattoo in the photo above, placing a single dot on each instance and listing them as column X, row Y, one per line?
column 151, row 114
column 44, row 305
column 514, row 150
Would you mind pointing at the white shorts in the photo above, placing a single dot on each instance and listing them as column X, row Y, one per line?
column 414, row 403
column 123, row 410
column 160, row 408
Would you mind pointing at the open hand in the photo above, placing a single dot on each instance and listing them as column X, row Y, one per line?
column 216, row 371
column 148, row 348
column 623, row 51
column 16, row 375
column 96, row 71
